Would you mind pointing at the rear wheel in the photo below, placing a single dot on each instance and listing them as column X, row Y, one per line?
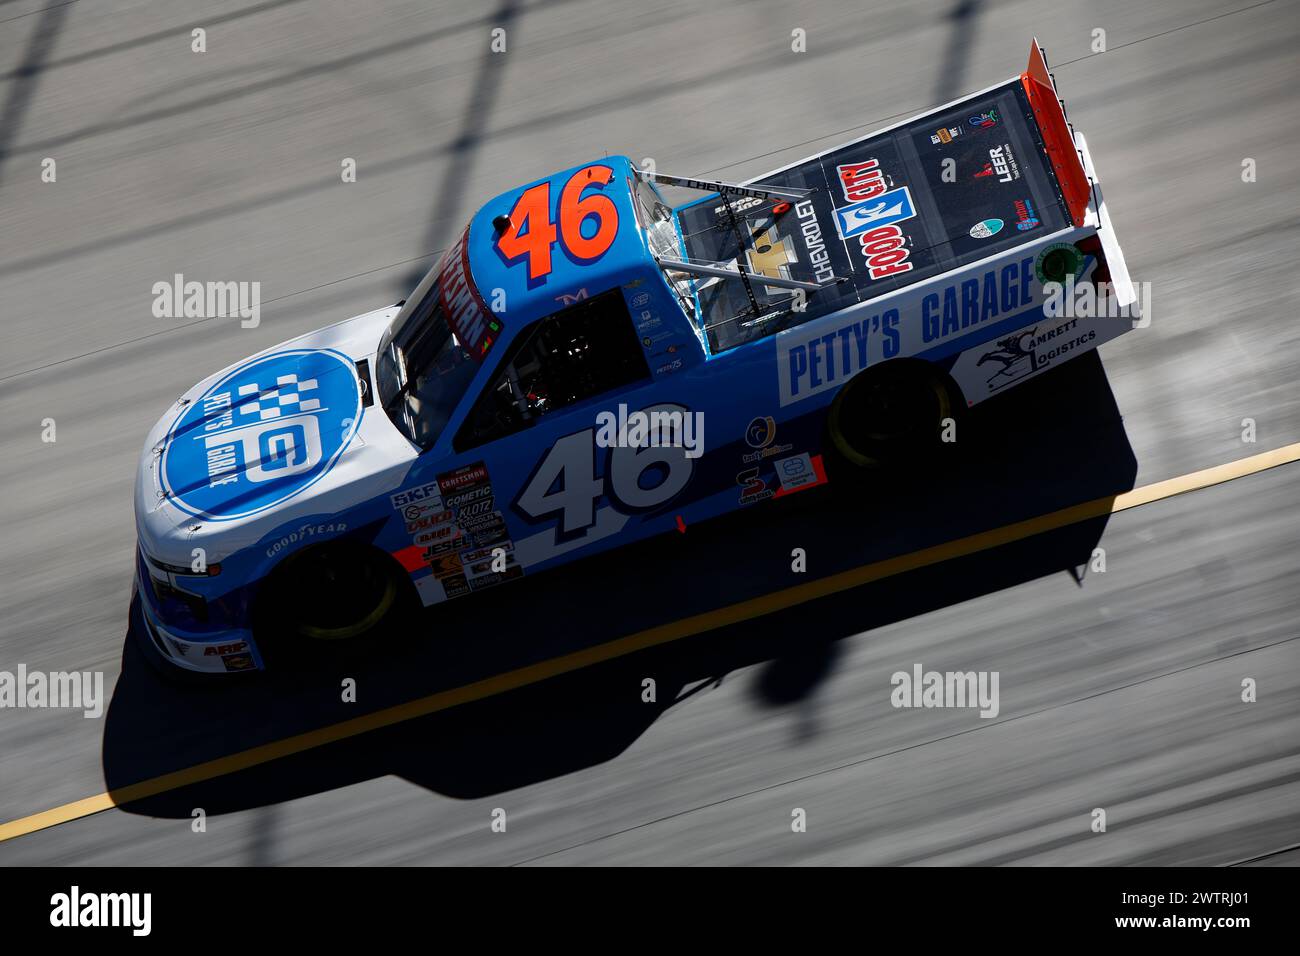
column 890, row 418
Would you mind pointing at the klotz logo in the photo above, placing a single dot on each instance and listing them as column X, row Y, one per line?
column 893, row 206
column 263, row 434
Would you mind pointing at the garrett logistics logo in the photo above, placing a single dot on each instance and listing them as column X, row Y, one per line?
column 264, row 433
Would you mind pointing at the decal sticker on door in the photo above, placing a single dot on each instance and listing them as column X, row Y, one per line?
column 565, row 487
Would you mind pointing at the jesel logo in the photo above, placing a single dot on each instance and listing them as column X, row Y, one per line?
column 261, row 435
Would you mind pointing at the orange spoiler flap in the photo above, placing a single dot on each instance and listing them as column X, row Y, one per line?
column 1057, row 138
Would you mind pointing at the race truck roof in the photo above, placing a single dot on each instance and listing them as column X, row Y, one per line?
column 882, row 212
column 533, row 249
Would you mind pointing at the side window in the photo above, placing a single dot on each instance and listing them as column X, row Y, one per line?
column 577, row 353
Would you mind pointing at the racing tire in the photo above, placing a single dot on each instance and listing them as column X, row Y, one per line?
column 331, row 601
column 890, row 420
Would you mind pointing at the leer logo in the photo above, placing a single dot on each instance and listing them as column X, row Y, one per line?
column 264, row 433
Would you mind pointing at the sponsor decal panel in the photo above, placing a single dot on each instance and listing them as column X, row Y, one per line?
column 824, row 355
column 1004, row 163
column 769, row 476
column 426, row 495
column 261, row 435
column 455, row 521
column 871, row 219
column 799, row 472
column 986, row 228
column 431, row 520
column 304, row 533
column 753, row 486
column 888, row 208
column 1059, row 257
column 760, row 435
column 475, row 325
column 1026, row 217
column 1010, row 359
column 945, row 135
column 811, row 230
column 237, row 662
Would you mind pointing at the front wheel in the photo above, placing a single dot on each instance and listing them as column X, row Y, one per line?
column 892, row 418
column 331, row 596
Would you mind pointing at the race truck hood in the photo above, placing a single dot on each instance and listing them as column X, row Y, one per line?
column 286, row 434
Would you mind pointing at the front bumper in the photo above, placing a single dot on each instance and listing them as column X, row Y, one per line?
column 173, row 629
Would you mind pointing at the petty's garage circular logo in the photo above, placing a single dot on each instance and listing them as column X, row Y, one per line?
column 264, row 433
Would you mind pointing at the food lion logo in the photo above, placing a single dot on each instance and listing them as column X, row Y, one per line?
column 893, row 206
column 261, row 435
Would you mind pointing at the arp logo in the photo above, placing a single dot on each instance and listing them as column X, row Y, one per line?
column 263, row 434
column 893, row 206
column 217, row 650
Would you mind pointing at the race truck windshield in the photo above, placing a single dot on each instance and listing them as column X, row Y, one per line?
column 429, row 355
column 656, row 220
column 423, row 371
column 946, row 189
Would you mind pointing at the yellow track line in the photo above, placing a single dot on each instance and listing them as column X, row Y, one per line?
column 663, row 634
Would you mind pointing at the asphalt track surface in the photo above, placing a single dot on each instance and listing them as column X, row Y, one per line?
column 1119, row 690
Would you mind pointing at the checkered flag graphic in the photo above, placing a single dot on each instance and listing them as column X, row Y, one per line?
column 285, row 399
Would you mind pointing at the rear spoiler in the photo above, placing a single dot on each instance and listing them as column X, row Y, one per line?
column 1057, row 138
column 1068, row 153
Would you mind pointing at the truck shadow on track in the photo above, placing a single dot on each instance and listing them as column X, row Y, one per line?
column 1055, row 442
